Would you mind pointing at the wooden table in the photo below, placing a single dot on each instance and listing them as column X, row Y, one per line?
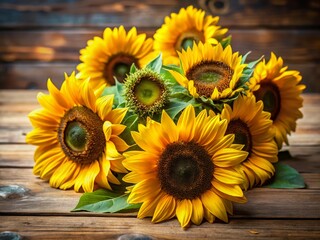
column 37, row 211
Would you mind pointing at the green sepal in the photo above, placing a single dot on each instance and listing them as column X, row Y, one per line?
column 155, row 64
column 285, row 177
column 105, row 201
column 217, row 106
column 133, row 68
column 226, row 41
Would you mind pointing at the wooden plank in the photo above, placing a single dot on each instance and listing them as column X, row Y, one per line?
column 34, row 75
column 263, row 202
column 63, row 45
column 16, row 155
column 149, row 13
column 74, row 228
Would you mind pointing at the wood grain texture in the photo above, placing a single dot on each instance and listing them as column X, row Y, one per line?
column 74, row 228
column 263, row 202
column 147, row 13
column 44, row 37
column 64, row 45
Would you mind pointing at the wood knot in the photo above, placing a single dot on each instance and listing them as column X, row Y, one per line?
column 216, row 7
column 135, row 236
column 7, row 235
column 13, row 192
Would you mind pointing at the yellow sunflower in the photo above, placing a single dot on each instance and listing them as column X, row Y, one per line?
column 77, row 137
column 280, row 91
column 188, row 169
column 112, row 56
column 210, row 71
column 179, row 31
column 253, row 129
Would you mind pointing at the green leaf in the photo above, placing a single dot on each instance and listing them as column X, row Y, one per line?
column 156, row 64
column 244, row 57
column 226, row 41
column 96, row 196
column 131, row 123
column 173, row 67
column 103, row 201
column 286, row 177
column 168, row 77
column 174, row 108
column 254, row 63
column 117, row 91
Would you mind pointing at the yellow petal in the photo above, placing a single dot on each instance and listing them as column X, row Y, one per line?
column 41, row 137
column 229, row 157
column 165, row 209
column 232, row 190
column 197, row 211
column 214, row 204
column 184, row 212
column 88, row 181
column 186, row 124
column 144, row 190
column 148, row 207
column 63, row 173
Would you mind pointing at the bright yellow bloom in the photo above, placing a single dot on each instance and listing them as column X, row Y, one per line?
column 188, row 169
column 280, row 91
column 179, row 31
column 210, row 71
column 253, row 129
column 77, row 135
column 112, row 56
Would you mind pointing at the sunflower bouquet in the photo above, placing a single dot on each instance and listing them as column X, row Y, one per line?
column 177, row 125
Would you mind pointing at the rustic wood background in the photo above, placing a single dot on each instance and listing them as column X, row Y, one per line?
column 42, row 38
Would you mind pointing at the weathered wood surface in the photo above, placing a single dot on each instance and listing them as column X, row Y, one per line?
column 74, row 228
column 284, row 204
column 150, row 13
column 64, row 45
column 44, row 37
column 41, row 212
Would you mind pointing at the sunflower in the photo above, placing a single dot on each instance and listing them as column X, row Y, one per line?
column 112, row 56
column 280, row 91
column 179, row 31
column 210, row 71
column 77, row 137
column 253, row 129
column 146, row 92
column 188, row 169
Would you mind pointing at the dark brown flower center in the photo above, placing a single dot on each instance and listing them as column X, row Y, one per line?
column 242, row 134
column 187, row 39
column 81, row 135
column 208, row 75
column 270, row 95
column 185, row 170
column 118, row 66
